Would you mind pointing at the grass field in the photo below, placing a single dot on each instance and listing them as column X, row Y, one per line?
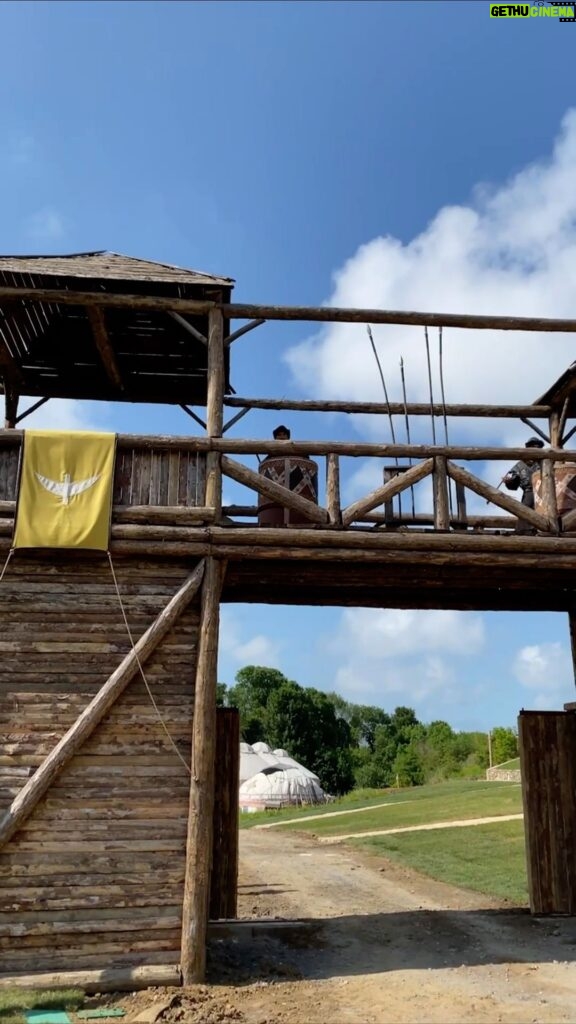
column 356, row 799
column 509, row 766
column 485, row 858
column 15, row 1002
column 422, row 805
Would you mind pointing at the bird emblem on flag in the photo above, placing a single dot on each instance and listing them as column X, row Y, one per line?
column 67, row 488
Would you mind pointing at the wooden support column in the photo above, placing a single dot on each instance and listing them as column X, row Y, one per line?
column 554, row 423
column 333, row 490
column 224, row 879
column 572, row 627
column 195, row 908
column 441, row 500
column 549, row 493
column 11, row 399
column 97, row 318
column 215, row 407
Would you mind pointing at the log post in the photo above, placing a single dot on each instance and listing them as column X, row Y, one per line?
column 441, row 501
column 196, row 900
column 333, row 490
column 549, row 493
column 224, row 879
column 215, row 407
column 572, row 626
column 554, row 424
column 11, row 399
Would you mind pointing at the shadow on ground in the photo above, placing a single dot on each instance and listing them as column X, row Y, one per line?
column 379, row 943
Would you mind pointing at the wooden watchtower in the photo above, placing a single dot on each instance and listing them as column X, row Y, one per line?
column 110, row 864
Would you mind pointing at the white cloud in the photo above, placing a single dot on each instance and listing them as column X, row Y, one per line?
column 252, row 650
column 394, row 632
column 64, row 414
column 45, row 225
column 403, row 655
column 511, row 251
column 546, row 670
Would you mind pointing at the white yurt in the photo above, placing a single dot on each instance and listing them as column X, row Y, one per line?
column 276, row 781
column 250, row 762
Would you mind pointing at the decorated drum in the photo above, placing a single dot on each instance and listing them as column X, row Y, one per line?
column 299, row 475
column 565, row 480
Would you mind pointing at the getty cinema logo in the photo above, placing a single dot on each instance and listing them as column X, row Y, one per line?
column 537, row 10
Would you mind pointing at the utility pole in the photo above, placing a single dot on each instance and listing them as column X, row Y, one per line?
column 489, row 748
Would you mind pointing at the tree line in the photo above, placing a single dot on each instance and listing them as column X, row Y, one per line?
column 351, row 745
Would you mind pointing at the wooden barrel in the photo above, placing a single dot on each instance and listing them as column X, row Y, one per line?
column 565, row 481
column 298, row 474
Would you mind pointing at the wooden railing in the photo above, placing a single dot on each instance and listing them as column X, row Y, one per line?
column 374, row 509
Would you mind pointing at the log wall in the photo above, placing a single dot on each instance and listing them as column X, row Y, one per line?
column 96, row 874
column 142, row 476
column 548, row 763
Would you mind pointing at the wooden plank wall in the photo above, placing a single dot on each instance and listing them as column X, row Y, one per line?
column 141, row 476
column 96, row 875
column 548, row 764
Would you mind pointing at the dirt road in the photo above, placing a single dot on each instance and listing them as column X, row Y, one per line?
column 395, row 947
column 389, row 947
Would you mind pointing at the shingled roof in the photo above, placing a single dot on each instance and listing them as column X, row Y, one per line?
column 105, row 265
column 54, row 348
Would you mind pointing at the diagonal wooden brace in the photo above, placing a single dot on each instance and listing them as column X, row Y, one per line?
column 388, row 490
column 274, row 491
column 30, row 795
column 485, row 490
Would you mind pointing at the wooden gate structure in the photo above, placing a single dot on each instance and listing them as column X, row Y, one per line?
column 107, row 814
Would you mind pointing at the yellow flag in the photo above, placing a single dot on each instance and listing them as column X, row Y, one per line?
column 65, row 496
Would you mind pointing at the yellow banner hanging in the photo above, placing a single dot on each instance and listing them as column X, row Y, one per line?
column 65, row 497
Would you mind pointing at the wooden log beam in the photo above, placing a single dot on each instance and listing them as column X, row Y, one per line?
column 276, row 492
column 31, row 408
column 441, row 500
column 395, row 408
column 153, row 515
column 189, row 328
column 331, row 314
column 11, row 399
column 492, row 494
column 125, row 979
column 333, row 490
column 388, row 490
column 33, row 791
column 9, row 368
column 238, row 446
column 196, row 899
column 65, row 297
column 243, row 330
column 549, row 502
column 215, row 408
column 97, row 319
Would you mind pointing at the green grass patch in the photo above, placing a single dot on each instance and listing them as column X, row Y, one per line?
column 14, row 1002
column 422, row 805
column 509, row 766
column 489, row 859
column 356, row 799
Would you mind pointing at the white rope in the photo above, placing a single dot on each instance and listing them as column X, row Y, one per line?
column 10, row 553
column 150, row 694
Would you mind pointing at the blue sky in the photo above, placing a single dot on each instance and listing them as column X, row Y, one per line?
column 409, row 155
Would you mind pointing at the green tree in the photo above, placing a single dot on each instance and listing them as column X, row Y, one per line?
column 250, row 695
column 504, row 745
column 408, row 767
column 221, row 693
